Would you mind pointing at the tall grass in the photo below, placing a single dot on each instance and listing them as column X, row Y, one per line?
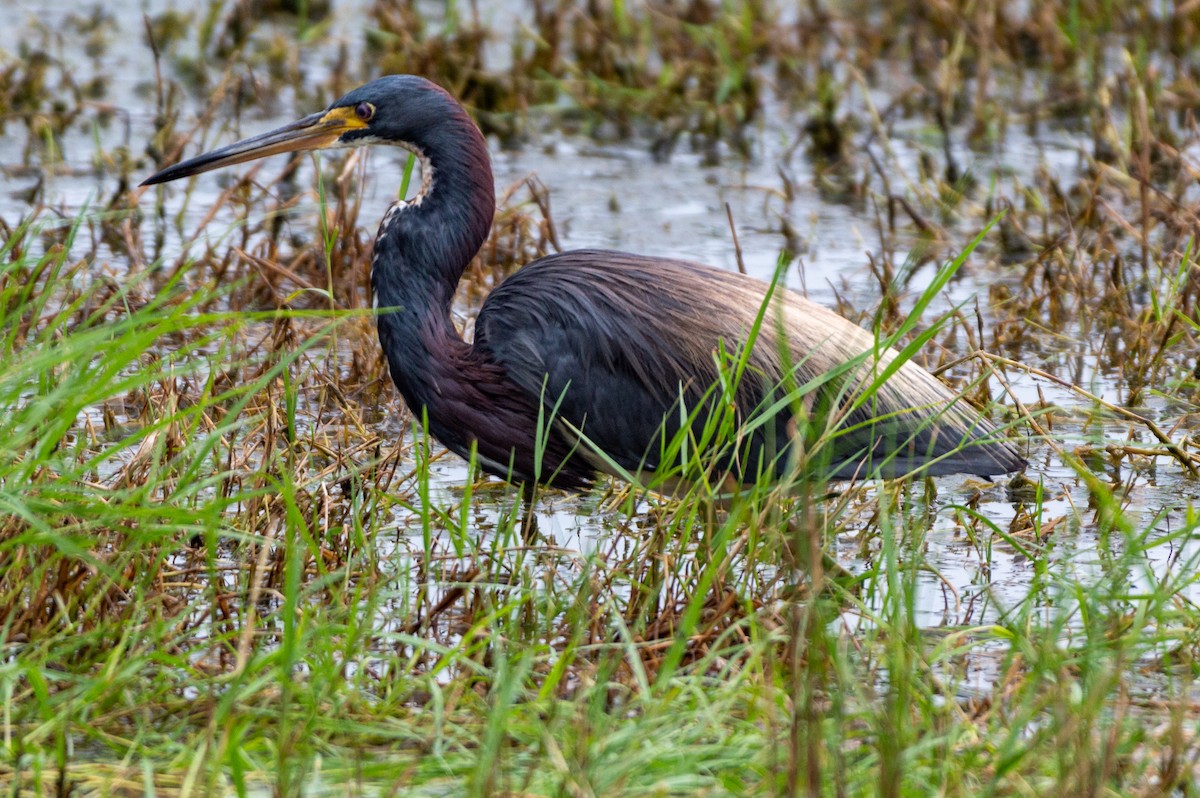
column 207, row 587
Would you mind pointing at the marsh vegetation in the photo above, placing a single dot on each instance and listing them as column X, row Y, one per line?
column 231, row 563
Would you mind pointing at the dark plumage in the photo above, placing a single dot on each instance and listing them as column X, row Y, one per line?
column 607, row 343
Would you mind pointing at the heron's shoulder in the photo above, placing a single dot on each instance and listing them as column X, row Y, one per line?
column 607, row 285
column 610, row 261
column 585, row 272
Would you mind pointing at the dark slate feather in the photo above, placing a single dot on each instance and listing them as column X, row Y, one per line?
column 619, row 340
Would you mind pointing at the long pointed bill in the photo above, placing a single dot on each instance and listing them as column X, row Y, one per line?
column 313, row 132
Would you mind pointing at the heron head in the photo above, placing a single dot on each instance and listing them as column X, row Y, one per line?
column 396, row 109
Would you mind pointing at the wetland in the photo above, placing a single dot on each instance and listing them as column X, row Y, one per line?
column 231, row 562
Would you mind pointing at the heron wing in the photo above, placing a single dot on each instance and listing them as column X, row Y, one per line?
column 625, row 348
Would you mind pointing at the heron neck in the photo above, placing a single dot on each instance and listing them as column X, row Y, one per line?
column 426, row 243
column 422, row 249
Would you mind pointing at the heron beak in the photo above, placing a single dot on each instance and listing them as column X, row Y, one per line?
column 313, row 132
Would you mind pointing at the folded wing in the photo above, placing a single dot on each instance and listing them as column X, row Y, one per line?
column 628, row 350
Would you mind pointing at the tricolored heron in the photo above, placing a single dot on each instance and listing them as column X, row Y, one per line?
column 595, row 360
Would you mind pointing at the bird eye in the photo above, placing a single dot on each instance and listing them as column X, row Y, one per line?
column 364, row 111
